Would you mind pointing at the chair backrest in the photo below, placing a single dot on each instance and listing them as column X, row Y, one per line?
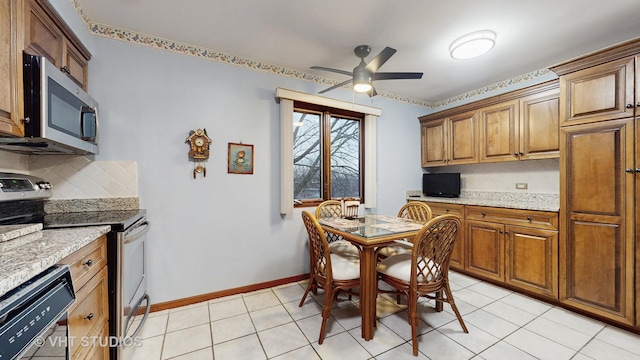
column 432, row 248
column 416, row 210
column 350, row 208
column 329, row 208
column 319, row 247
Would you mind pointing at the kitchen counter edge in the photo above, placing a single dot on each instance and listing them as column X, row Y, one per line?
column 27, row 256
column 522, row 205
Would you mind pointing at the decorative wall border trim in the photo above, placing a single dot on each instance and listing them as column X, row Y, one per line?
column 186, row 49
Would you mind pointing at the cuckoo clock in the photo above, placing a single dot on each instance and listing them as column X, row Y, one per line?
column 199, row 150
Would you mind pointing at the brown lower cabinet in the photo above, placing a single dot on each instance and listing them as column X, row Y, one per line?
column 457, row 257
column 88, row 319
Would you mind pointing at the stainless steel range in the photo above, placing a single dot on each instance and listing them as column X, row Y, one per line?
column 22, row 200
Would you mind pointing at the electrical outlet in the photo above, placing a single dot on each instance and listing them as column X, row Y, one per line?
column 522, row 186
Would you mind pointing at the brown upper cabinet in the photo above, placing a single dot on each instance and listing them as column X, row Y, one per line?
column 10, row 82
column 450, row 141
column 602, row 92
column 46, row 34
column 519, row 125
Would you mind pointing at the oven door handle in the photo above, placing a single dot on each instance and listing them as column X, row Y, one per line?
column 136, row 232
column 132, row 313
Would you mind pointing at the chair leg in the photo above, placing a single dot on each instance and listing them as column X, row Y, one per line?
column 454, row 307
column 413, row 321
column 326, row 312
column 306, row 292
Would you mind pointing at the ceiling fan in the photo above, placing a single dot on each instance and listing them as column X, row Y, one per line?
column 363, row 75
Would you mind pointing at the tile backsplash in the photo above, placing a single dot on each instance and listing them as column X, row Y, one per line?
column 78, row 177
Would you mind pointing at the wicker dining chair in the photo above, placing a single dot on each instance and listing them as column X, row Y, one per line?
column 425, row 271
column 333, row 208
column 332, row 272
column 413, row 210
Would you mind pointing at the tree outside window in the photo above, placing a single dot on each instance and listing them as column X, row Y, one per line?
column 327, row 154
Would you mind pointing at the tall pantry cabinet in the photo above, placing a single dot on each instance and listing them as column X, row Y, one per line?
column 599, row 180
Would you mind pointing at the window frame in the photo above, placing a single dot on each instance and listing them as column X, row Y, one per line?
column 325, row 148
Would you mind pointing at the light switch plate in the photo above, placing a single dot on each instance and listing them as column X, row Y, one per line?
column 522, row 186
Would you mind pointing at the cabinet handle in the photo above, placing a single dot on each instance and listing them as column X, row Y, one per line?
column 629, row 106
column 629, row 170
column 515, row 154
column 506, row 233
column 88, row 263
column 500, row 231
column 447, row 210
column 65, row 69
column 26, row 120
column 529, row 218
column 638, row 104
column 89, row 317
column 484, row 213
column 521, row 153
column 638, row 170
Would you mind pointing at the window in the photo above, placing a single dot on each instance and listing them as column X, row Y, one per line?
column 327, row 153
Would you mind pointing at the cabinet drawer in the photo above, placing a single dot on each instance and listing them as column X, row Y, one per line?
column 527, row 218
column 88, row 315
column 87, row 261
column 445, row 208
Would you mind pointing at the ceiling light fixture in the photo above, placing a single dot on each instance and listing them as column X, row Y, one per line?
column 361, row 81
column 473, row 44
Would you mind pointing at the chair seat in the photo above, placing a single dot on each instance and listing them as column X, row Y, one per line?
column 345, row 267
column 343, row 247
column 399, row 266
column 399, row 247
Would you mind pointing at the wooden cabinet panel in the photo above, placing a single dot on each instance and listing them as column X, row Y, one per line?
column 539, row 126
column 433, row 137
column 527, row 218
column 457, row 256
column 462, row 147
column 598, row 93
column 89, row 313
column 532, row 260
column 597, row 242
column 484, row 249
column 76, row 65
column 42, row 36
column 87, row 261
column 10, row 81
column 499, row 132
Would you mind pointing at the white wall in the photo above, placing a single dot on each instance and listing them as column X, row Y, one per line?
column 225, row 230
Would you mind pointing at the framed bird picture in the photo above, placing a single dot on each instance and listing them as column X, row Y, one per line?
column 240, row 159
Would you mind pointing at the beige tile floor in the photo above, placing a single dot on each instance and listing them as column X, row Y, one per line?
column 268, row 324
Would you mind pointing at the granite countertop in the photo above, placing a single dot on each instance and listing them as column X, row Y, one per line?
column 525, row 201
column 27, row 256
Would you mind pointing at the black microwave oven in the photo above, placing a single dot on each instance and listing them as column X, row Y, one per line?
column 59, row 116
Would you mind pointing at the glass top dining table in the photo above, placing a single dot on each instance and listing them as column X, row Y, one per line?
column 370, row 232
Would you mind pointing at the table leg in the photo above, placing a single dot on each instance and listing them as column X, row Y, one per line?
column 368, row 291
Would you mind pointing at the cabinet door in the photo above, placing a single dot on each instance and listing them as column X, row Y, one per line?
column 462, row 131
column 499, row 132
column 602, row 92
column 485, row 249
column 457, row 256
column 597, row 242
column 434, row 143
column 539, row 126
column 10, row 82
column 42, row 36
column 76, row 65
column 532, row 260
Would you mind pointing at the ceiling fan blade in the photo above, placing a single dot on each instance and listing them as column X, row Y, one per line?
column 380, row 59
column 396, row 75
column 344, row 72
column 336, row 86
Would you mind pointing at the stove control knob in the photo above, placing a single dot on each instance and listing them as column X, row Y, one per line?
column 44, row 185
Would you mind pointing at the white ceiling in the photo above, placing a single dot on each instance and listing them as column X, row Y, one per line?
column 297, row 34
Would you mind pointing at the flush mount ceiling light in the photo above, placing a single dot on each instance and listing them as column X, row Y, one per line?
column 474, row 44
column 361, row 81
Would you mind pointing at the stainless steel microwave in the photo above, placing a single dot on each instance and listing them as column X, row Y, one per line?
column 59, row 116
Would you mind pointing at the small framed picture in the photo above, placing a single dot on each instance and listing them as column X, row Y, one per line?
column 240, row 159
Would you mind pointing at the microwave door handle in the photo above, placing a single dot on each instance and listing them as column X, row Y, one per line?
column 84, row 110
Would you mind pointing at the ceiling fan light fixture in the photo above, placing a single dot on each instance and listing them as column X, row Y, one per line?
column 473, row 44
column 361, row 82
